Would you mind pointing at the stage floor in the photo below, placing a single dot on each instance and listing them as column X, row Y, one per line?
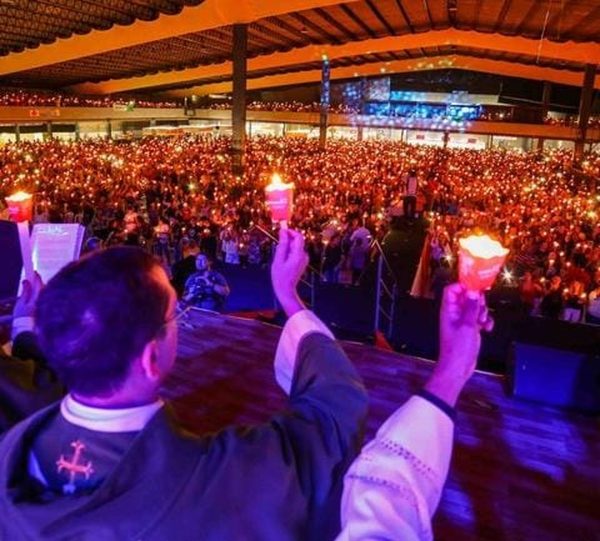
column 520, row 471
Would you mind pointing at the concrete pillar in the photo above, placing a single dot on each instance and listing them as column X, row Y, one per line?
column 77, row 132
column 363, row 93
column 545, row 105
column 325, row 101
column 238, row 110
column 526, row 144
column 17, row 133
column 360, row 133
column 49, row 130
column 547, row 91
column 540, row 144
column 585, row 107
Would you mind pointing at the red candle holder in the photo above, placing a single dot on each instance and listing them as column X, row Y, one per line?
column 480, row 260
column 20, row 207
column 20, row 210
column 280, row 200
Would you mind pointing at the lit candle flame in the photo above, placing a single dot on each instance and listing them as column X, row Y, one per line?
column 19, row 197
column 483, row 246
column 278, row 184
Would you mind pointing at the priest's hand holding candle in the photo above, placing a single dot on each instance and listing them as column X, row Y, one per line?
column 20, row 210
column 20, row 207
column 464, row 315
column 480, row 260
column 280, row 200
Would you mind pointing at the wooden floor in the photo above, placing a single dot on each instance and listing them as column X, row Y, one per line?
column 520, row 471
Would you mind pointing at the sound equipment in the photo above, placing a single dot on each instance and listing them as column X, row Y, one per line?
column 402, row 247
column 556, row 377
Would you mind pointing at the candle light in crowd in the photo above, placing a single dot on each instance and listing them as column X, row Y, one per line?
column 20, row 210
column 480, row 261
column 507, row 276
column 280, row 200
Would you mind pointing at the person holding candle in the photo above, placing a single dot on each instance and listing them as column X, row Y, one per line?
column 231, row 248
column 552, row 302
column 574, row 302
column 411, row 182
column 109, row 460
column 393, row 488
column 332, row 259
column 530, row 293
column 593, row 306
column 161, row 234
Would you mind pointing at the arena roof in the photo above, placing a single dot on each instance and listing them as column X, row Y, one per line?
column 184, row 46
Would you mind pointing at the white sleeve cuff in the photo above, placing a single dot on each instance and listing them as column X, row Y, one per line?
column 21, row 324
column 423, row 435
column 396, row 483
column 296, row 328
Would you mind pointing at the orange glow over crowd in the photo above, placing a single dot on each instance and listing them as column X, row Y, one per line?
column 179, row 192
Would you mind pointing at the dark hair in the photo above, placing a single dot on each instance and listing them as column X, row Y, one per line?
column 97, row 314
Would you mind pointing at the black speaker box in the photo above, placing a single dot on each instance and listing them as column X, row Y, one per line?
column 556, row 377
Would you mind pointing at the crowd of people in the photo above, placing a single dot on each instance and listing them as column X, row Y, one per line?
column 416, row 111
column 572, row 120
column 25, row 98
column 107, row 457
column 34, row 98
column 291, row 106
column 546, row 215
column 177, row 197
